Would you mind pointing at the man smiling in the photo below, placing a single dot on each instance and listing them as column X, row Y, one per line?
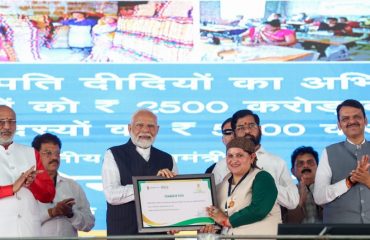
column 343, row 178
column 137, row 157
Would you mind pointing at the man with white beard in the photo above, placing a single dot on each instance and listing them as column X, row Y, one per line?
column 137, row 157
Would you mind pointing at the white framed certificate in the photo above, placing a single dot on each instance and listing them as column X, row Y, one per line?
column 178, row 203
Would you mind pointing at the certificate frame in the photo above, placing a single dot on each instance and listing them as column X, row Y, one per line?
column 163, row 201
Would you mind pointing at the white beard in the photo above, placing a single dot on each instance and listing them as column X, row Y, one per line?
column 142, row 143
column 4, row 141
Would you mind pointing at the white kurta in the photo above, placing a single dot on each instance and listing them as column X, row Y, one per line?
column 82, row 220
column 20, row 214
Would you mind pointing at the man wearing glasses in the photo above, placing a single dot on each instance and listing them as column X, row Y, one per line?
column 23, row 181
column 69, row 212
column 245, row 123
column 227, row 135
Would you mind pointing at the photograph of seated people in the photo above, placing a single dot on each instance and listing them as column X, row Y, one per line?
column 247, row 196
column 284, row 31
column 125, row 31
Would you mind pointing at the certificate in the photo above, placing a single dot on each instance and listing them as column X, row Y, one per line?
column 178, row 203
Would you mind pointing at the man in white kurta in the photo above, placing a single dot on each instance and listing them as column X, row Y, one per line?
column 19, row 185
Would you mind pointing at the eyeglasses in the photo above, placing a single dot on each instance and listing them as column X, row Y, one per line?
column 11, row 122
column 50, row 153
column 227, row 132
column 248, row 126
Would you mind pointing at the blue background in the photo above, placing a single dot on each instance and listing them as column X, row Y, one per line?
column 205, row 110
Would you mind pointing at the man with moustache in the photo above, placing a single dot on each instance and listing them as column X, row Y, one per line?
column 342, row 183
column 304, row 164
column 137, row 157
column 245, row 123
column 69, row 212
column 23, row 181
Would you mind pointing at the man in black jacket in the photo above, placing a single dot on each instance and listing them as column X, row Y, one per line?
column 137, row 157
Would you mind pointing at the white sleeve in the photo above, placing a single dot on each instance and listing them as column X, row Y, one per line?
column 220, row 171
column 288, row 195
column 174, row 167
column 114, row 192
column 325, row 192
column 83, row 219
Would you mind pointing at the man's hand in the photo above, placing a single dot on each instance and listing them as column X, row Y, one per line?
column 362, row 176
column 22, row 180
column 166, row 173
column 361, row 173
column 207, row 229
column 63, row 208
column 31, row 177
column 302, row 191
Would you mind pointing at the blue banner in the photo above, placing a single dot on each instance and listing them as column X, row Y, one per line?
column 90, row 105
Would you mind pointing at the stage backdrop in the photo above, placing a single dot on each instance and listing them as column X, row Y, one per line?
column 89, row 108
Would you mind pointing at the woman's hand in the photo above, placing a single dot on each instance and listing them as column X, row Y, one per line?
column 219, row 217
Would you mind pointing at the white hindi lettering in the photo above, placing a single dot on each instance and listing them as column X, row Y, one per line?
column 193, row 83
column 73, row 157
column 359, row 79
column 64, row 129
column 105, row 104
column 41, row 81
column 100, row 81
column 147, row 80
column 93, row 158
column 7, row 101
column 262, row 106
column 70, row 157
column 298, row 105
column 251, row 83
column 118, row 129
column 331, row 129
column 195, row 157
column 57, row 106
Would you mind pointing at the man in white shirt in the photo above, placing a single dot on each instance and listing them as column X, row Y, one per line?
column 137, row 157
column 20, row 184
column 342, row 183
column 69, row 212
column 245, row 123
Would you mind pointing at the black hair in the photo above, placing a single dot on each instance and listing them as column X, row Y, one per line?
column 224, row 123
column 303, row 150
column 45, row 138
column 351, row 103
column 241, row 114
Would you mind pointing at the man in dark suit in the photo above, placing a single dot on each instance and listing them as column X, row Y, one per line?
column 137, row 157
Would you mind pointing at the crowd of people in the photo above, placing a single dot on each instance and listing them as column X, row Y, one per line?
column 255, row 190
